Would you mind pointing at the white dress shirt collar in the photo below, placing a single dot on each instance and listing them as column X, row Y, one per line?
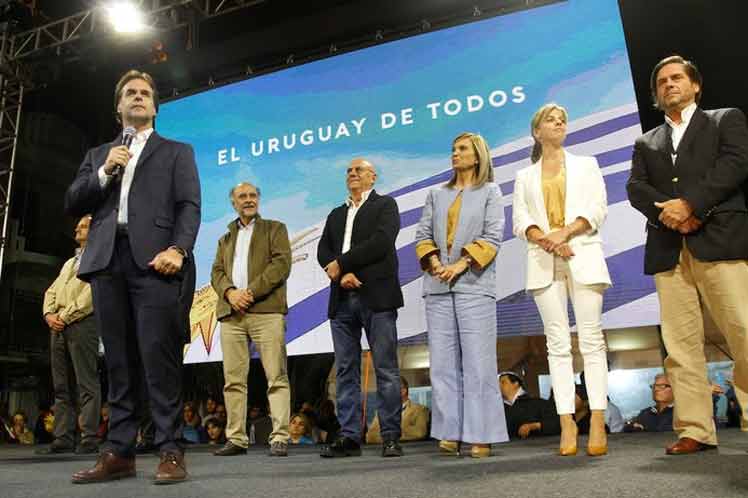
column 364, row 195
column 685, row 116
column 511, row 402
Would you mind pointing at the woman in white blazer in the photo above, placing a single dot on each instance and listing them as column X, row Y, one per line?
column 559, row 205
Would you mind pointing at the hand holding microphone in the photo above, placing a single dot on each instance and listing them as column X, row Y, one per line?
column 119, row 156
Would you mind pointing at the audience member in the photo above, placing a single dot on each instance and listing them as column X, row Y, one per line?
column 103, row 423
column 583, row 414
column 526, row 415
column 209, row 410
column 300, row 430
column 327, row 424
column 193, row 431
column 657, row 418
column 19, row 431
column 614, row 418
column 45, row 426
column 221, row 412
column 734, row 413
column 414, row 422
column 216, row 431
column 259, row 426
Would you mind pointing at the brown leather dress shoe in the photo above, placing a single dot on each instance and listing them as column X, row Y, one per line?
column 171, row 470
column 109, row 467
column 686, row 445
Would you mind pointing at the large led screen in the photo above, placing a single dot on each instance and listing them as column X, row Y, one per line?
column 400, row 104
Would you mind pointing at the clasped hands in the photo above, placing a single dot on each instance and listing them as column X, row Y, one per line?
column 447, row 273
column 55, row 323
column 556, row 242
column 349, row 281
column 240, row 299
column 677, row 214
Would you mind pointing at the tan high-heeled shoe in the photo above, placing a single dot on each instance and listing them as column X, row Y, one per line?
column 480, row 450
column 597, row 425
column 569, row 450
column 451, row 448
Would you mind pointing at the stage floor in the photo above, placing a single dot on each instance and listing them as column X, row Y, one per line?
column 636, row 467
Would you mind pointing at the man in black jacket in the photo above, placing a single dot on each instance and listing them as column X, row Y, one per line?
column 145, row 201
column 526, row 415
column 357, row 251
column 687, row 178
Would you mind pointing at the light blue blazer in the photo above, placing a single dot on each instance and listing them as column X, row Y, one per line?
column 481, row 217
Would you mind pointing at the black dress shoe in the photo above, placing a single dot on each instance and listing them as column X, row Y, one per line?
column 55, row 448
column 230, row 449
column 391, row 449
column 342, row 447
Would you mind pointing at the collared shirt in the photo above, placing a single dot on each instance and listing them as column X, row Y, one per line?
column 680, row 129
column 240, row 270
column 351, row 217
column 136, row 149
column 68, row 296
column 77, row 259
column 519, row 393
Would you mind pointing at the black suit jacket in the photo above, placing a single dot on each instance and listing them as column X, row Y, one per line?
column 163, row 203
column 709, row 172
column 526, row 410
column 372, row 257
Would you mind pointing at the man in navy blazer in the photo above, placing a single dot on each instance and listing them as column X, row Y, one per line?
column 145, row 201
column 687, row 178
column 357, row 251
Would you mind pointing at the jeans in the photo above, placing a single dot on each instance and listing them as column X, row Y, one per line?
column 352, row 315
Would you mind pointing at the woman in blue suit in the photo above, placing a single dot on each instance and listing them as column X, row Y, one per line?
column 457, row 241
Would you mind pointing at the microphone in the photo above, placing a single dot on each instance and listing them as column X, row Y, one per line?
column 128, row 134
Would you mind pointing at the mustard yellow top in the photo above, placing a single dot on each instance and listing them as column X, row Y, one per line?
column 482, row 252
column 554, row 196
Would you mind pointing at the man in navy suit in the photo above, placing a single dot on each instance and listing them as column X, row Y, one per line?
column 687, row 178
column 145, row 201
column 357, row 251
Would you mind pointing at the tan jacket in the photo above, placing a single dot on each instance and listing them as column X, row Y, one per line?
column 269, row 267
column 68, row 296
column 414, row 424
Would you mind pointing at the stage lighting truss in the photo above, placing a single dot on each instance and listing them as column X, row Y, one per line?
column 152, row 14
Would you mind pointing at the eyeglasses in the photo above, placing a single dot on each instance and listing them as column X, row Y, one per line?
column 358, row 170
column 660, row 386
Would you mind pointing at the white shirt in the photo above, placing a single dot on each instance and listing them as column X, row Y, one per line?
column 351, row 217
column 240, row 270
column 519, row 393
column 680, row 129
column 136, row 148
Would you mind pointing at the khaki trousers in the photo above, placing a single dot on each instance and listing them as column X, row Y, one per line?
column 722, row 287
column 268, row 331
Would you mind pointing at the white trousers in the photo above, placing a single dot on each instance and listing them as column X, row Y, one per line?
column 587, row 301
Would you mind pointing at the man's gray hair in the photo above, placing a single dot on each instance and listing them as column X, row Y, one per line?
column 240, row 184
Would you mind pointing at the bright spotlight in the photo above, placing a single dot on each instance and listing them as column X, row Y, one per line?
column 126, row 18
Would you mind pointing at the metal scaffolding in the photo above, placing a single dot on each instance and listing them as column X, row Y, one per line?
column 12, row 85
column 157, row 15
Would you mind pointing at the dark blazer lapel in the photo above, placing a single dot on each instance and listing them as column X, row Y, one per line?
column 663, row 140
column 154, row 141
column 363, row 213
column 698, row 120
